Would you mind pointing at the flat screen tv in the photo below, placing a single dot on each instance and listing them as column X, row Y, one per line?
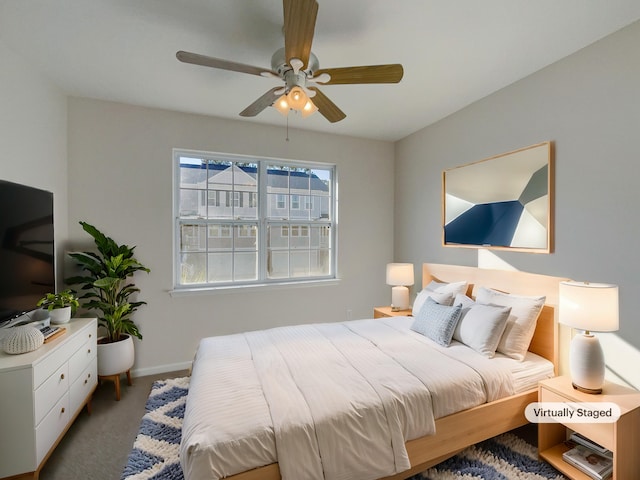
column 27, row 253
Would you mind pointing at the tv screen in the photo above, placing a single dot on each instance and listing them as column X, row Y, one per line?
column 27, row 266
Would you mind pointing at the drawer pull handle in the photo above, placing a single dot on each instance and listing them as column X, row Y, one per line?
column 86, row 381
column 89, row 351
column 62, row 410
column 62, row 376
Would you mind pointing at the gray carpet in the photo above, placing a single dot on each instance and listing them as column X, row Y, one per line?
column 96, row 446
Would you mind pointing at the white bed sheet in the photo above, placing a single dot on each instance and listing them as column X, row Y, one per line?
column 253, row 400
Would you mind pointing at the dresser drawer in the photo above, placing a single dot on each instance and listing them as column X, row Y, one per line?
column 70, row 344
column 79, row 360
column 83, row 386
column 50, row 392
column 602, row 433
column 51, row 427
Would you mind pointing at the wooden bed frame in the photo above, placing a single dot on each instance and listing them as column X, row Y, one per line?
column 460, row 430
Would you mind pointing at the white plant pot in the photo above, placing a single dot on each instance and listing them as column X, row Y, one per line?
column 116, row 357
column 60, row 315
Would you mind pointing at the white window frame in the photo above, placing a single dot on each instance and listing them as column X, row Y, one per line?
column 262, row 222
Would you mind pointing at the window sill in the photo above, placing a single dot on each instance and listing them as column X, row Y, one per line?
column 179, row 292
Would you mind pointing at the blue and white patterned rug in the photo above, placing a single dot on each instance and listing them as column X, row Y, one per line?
column 155, row 454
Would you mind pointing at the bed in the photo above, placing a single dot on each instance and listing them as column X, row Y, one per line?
column 224, row 404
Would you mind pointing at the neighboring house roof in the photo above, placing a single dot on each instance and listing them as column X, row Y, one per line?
column 276, row 178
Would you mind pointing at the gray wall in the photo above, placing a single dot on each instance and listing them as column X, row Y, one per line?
column 589, row 105
column 33, row 138
column 120, row 180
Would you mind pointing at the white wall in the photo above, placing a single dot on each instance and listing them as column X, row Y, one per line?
column 120, row 180
column 589, row 105
column 33, row 134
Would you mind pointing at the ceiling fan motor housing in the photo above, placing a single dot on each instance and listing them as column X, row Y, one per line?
column 280, row 64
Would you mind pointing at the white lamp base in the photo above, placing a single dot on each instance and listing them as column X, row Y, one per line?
column 586, row 363
column 399, row 298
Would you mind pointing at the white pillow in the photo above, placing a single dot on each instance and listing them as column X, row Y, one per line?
column 443, row 293
column 440, row 297
column 480, row 326
column 521, row 323
column 454, row 288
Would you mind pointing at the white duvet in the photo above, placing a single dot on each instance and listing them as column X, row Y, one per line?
column 332, row 401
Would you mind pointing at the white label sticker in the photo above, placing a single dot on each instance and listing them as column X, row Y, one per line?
column 578, row 412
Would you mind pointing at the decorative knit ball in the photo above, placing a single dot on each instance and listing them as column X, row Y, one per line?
column 22, row 340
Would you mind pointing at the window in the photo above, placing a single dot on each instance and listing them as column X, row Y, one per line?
column 242, row 220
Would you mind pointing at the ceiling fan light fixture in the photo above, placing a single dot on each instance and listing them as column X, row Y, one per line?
column 296, row 98
column 282, row 105
column 309, row 109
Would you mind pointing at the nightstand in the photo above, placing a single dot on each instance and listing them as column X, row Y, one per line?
column 621, row 437
column 383, row 312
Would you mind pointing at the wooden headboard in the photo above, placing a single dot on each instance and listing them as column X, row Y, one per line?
column 546, row 337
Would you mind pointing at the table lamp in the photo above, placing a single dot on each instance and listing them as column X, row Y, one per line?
column 399, row 275
column 591, row 307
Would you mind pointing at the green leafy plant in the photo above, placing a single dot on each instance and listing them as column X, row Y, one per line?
column 105, row 284
column 66, row 298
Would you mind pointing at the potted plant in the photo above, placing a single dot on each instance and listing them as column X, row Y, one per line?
column 60, row 305
column 107, row 290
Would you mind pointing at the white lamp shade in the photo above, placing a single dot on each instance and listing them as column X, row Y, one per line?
column 400, row 274
column 589, row 306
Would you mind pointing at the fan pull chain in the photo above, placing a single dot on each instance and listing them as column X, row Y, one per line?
column 287, row 139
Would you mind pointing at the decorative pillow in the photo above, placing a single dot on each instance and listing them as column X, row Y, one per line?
column 480, row 326
column 453, row 288
column 442, row 298
column 521, row 323
column 437, row 321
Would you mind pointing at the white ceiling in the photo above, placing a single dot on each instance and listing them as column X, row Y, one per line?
column 454, row 52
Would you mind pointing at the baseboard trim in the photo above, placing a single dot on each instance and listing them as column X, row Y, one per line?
column 173, row 367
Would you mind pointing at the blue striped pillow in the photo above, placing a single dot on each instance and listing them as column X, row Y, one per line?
column 437, row 322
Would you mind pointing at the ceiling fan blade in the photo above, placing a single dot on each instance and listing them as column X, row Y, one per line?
column 299, row 25
column 326, row 107
column 197, row 59
column 391, row 73
column 261, row 103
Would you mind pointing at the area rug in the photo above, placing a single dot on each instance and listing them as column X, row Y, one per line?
column 155, row 454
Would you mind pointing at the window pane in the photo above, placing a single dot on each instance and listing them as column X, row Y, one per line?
column 321, row 181
column 278, row 236
column 193, row 238
column 193, row 173
column 246, row 188
column 220, row 180
column 193, row 268
column 246, row 266
column 220, row 267
column 299, row 236
column 190, row 206
column 321, row 208
column 277, row 206
column 300, row 264
column 320, row 262
column 277, row 264
column 319, row 236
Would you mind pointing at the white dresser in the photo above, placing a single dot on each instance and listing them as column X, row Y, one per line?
column 41, row 393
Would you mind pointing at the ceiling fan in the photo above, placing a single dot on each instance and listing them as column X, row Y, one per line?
column 299, row 68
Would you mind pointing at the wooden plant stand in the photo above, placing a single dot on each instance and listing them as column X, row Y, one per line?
column 116, row 380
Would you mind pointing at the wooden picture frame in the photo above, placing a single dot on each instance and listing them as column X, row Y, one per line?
column 504, row 202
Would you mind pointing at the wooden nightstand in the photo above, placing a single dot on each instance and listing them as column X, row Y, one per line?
column 621, row 437
column 382, row 312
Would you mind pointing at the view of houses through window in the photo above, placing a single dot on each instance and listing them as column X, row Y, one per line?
column 246, row 220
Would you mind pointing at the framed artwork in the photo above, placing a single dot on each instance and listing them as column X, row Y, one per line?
column 502, row 202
